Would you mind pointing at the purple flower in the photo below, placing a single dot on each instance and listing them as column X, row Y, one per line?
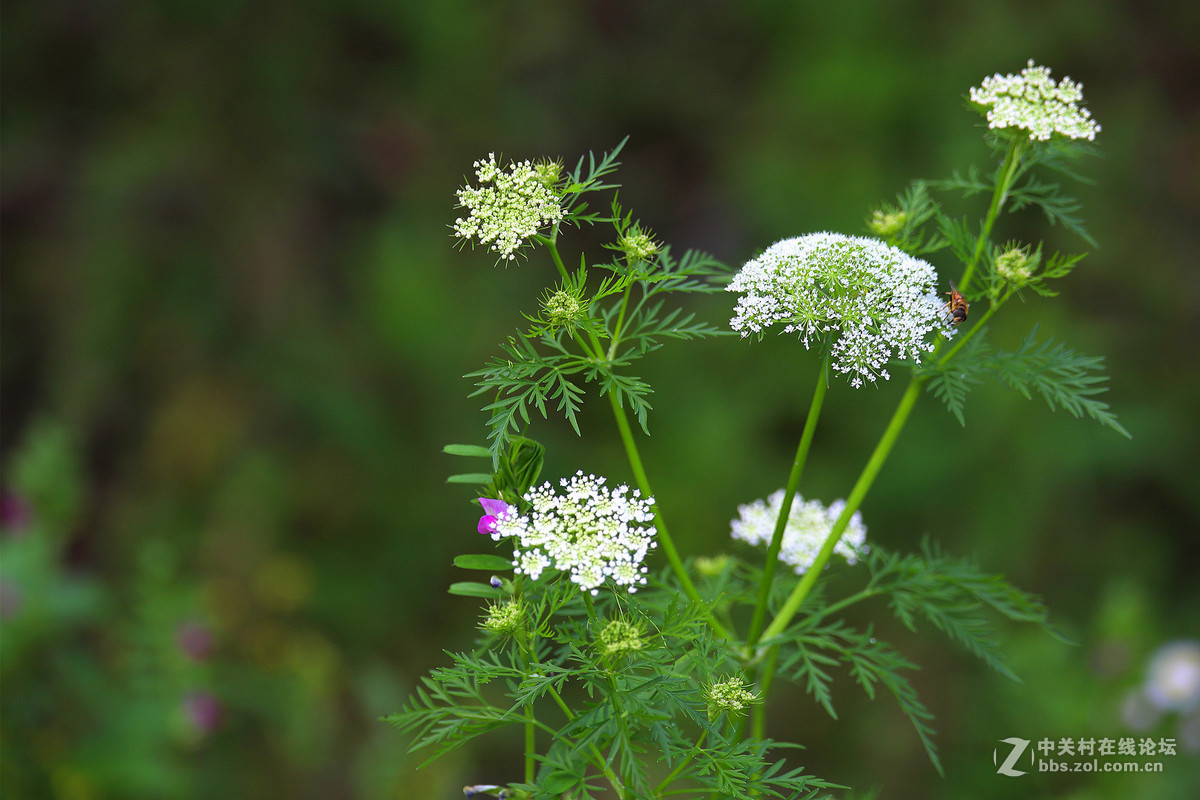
column 15, row 513
column 195, row 640
column 203, row 710
column 493, row 511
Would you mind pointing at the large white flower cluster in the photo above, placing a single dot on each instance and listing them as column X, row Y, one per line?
column 588, row 530
column 808, row 525
column 866, row 302
column 1032, row 101
column 508, row 207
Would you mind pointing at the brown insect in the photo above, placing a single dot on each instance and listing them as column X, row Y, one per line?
column 957, row 307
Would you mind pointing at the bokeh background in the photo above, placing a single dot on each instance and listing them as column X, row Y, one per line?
column 234, row 330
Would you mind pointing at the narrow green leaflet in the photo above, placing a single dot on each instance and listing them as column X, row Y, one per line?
column 485, row 562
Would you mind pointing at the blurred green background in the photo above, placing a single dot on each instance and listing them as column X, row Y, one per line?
column 234, row 328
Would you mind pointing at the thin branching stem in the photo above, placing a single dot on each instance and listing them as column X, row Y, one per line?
column 857, row 494
column 789, row 495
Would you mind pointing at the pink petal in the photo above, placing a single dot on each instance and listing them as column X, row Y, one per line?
column 494, row 507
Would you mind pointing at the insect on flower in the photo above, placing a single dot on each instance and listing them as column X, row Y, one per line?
column 957, row 307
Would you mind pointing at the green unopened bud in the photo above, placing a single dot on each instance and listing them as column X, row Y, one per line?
column 563, row 309
column 547, row 173
column 637, row 244
column 711, row 566
column 1016, row 264
column 886, row 222
column 729, row 696
column 619, row 637
column 505, row 619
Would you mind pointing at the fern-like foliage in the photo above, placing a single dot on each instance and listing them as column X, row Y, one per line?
column 953, row 594
column 628, row 711
column 450, row 707
column 808, row 653
column 1065, row 379
column 524, row 378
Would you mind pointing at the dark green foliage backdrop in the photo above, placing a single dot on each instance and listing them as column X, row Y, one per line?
column 234, row 329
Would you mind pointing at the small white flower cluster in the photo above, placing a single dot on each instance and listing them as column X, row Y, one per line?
column 1032, row 101
column 512, row 208
column 588, row 530
column 878, row 300
column 809, row 523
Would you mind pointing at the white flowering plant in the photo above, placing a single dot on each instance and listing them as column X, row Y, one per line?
column 628, row 677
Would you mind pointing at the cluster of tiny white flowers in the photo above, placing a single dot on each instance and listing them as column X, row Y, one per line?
column 509, row 210
column 1032, row 101
column 588, row 530
column 808, row 525
column 878, row 301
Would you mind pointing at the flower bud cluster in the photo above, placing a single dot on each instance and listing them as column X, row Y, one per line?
column 730, row 696
column 619, row 637
column 637, row 244
column 505, row 618
column 1016, row 264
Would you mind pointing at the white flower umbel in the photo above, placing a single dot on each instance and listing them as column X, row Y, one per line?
column 587, row 530
column 1032, row 101
column 808, row 525
column 508, row 207
column 863, row 301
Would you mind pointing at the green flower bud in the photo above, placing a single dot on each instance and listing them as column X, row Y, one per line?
column 729, row 696
column 637, row 244
column 563, row 309
column 505, row 619
column 1017, row 264
column 711, row 566
column 547, row 173
column 619, row 637
column 886, row 222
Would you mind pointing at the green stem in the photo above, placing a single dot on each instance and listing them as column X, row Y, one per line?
column 683, row 762
column 758, row 712
column 833, row 608
column 635, row 463
column 530, row 745
column 1008, row 173
column 857, row 494
column 620, row 327
column 664, row 536
column 551, row 243
column 789, row 495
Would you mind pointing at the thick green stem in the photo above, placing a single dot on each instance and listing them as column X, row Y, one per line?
column 789, row 495
column 857, row 494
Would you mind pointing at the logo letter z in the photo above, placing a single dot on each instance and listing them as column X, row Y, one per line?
column 1018, row 748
